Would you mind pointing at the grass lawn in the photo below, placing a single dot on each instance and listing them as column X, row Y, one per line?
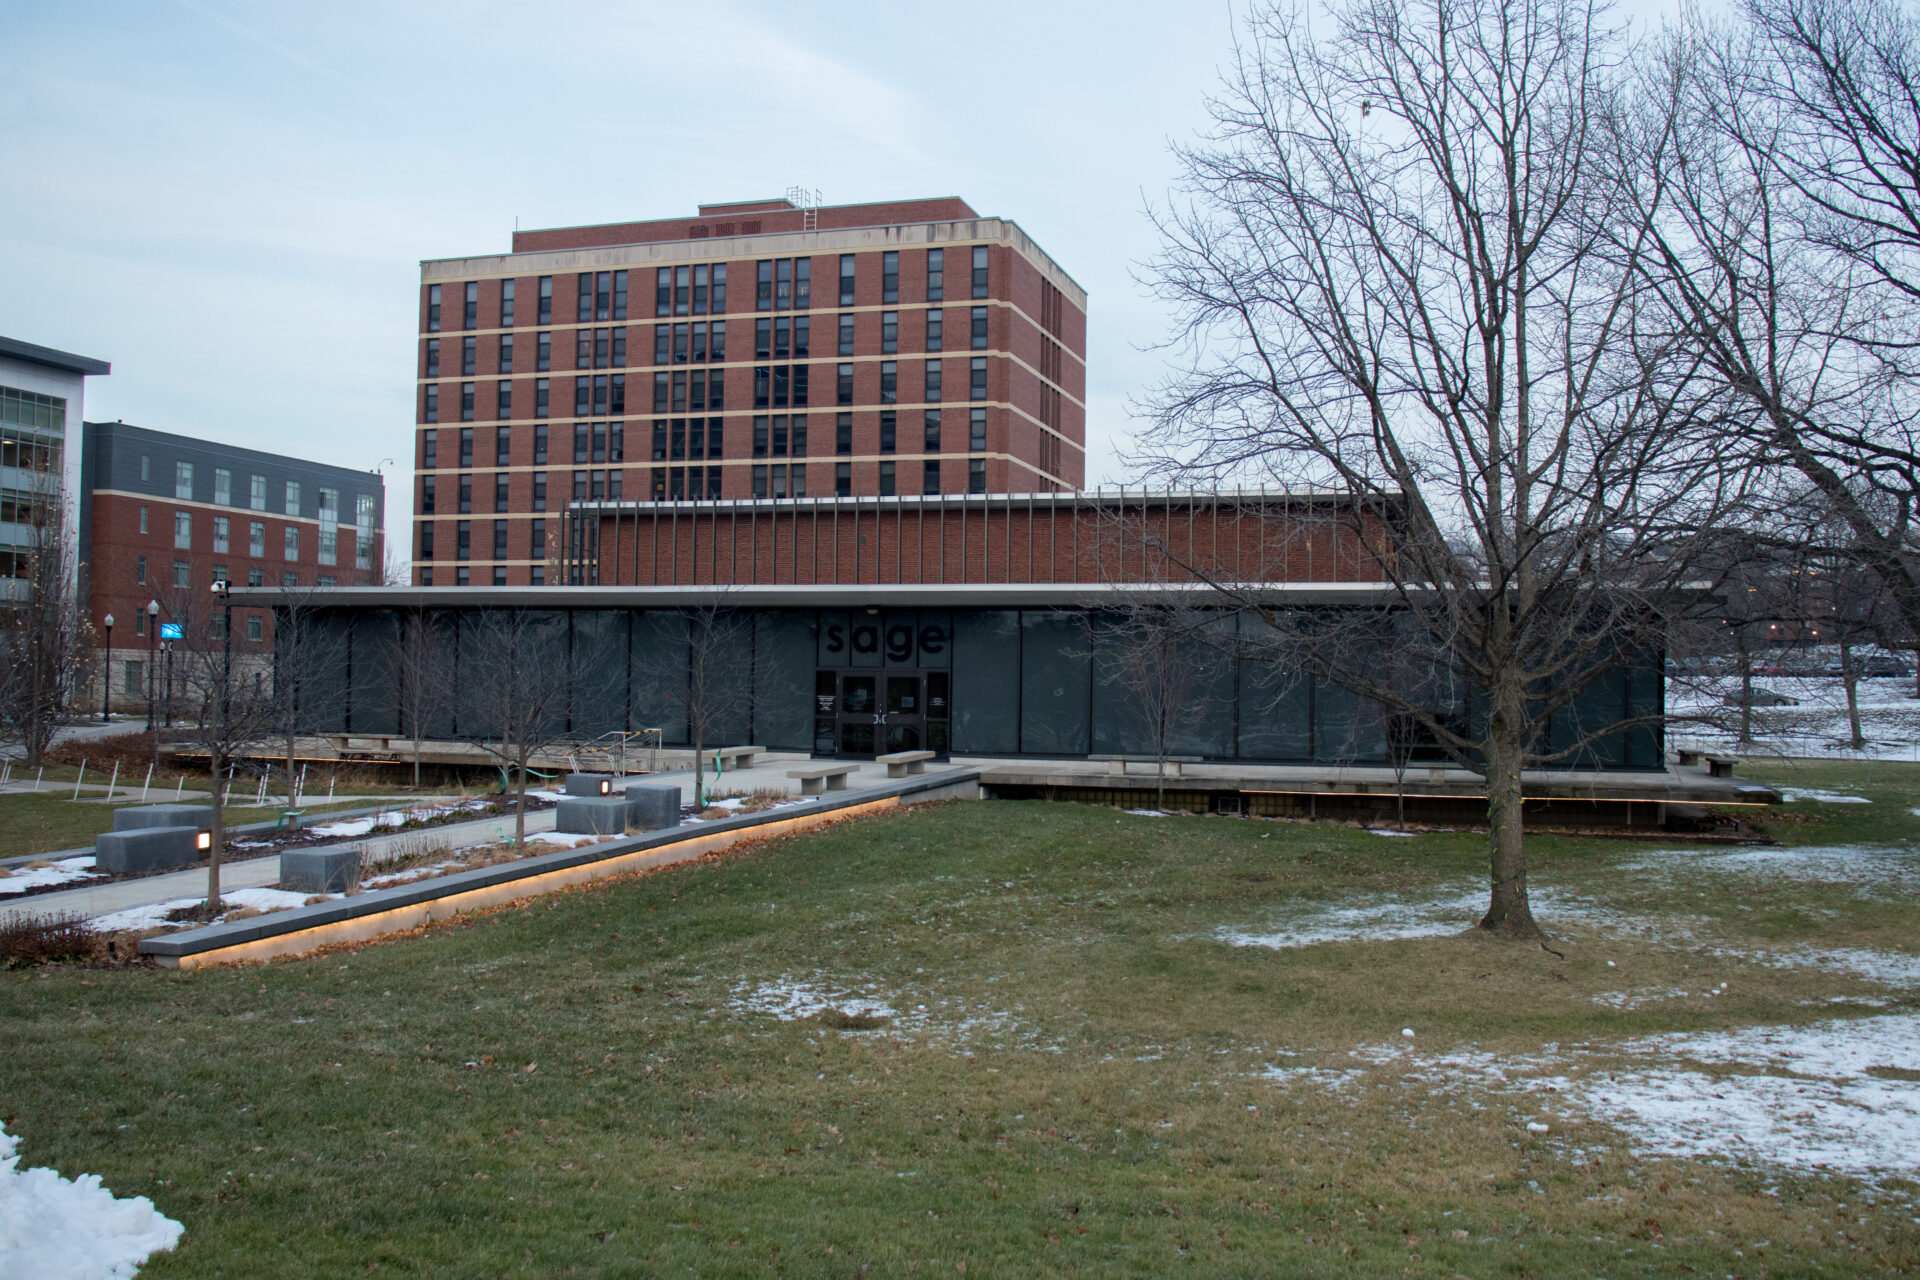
column 591, row 1086
column 48, row 821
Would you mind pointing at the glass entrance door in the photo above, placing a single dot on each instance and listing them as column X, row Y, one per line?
column 869, row 713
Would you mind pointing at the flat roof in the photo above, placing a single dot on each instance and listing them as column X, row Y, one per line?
column 874, row 596
column 1117, row 496
column 52, row 357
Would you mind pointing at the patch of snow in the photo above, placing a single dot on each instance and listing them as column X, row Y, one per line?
column 1148, row 813
column 349, row 830
column 65, row 871
column 154, row 914
column 1377, row 922
column 731, row 802
column 1331, row 1079
column 1793, row 795
column 1890, row 968
column 55, row 1228
column 570, row 840
column 1382, row 831
column 790, row 999
column 1637, row 999
column 1870, row 867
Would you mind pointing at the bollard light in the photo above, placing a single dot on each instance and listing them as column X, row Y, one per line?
column 204, row 842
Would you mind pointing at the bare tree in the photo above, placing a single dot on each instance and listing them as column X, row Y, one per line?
column 418, row 655
column 43, row 636
column 1155, row 649
column 309, row 659
column 510, row 687
column 1403, row 275
column 1785, row 165
column 719, row 676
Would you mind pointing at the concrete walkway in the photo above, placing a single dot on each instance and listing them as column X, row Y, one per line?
column 253, row 873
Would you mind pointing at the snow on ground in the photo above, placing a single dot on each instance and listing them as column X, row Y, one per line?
column 1816, row 728
column 1794, row 795
column 64, row 872
column 1872, row 868
column 154, row 914
column 1370, row 922
column 54, row 1228
column 790, row 999
column 566, row 839
column 952, row 1021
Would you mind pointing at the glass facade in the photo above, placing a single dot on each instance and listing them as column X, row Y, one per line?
column 1036, row 682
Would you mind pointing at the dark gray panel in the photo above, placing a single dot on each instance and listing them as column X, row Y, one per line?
column 784, row 651
column 599, row 683
column 986, row 681
column 1056, row 675
column 372, row 705
column 657, row 658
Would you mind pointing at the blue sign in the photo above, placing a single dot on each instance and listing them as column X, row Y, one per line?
column 170, row 631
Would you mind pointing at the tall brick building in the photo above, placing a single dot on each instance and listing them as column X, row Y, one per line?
column 759, row 350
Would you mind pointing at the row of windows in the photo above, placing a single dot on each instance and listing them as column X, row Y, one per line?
column 183, row 577
column 462, row 578
column 326, row 499
column 135, row 676
column 674, row 439
column 27, row 452
column 463, row 536
column 31, row 409
column 780, row 284
column 702, row 342
column 327, row 539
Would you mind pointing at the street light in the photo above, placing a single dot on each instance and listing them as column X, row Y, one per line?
column 153, row 636
column 106, row 671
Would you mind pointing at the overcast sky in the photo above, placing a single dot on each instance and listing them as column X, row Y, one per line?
column 230, row 201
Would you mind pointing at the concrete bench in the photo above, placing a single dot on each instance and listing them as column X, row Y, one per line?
column 330, row 870
column 902, row 763
column 1117, row 765
column 149, row 849
column 1721, row 766
column 735, row 757
column 589, row 784
column 1689, row 755
column 139, row 817
column 822, row 777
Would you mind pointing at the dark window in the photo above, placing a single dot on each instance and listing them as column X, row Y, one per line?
column 463, row 540
column 700, row 289
column 505, row 363
column 977, row 378
column 503, row 399
column 539, row 493
column 539, row 397
column 843, row 386
column 682, row 290
column 429, row 448
column 546, row 303
column 616, row 442
column 663, row 344
column 470, row 317
column 599, row 442
column 662, row 383
column 466, row 495
column 433, row 357
column 502, row 446
column 933, row 431
column 977, row 475
column 783, row 338
column 619, row 295
column 540, row 444
column 506, row 304
column 539, row 578
column 500, row 540
column 889, row 382
column 802, row 342
column 936, row 274
column 602, row 295
column 580, row 442
column 843, row 434
column 500, row 573
column 582, row 392
column 760, row 480
column 799, row 439
column 933, row 380
column 935, row 327
column 719, row 289
column 461, row 577
column 583, row 348
column 579, row 486
column 466, row 402
column 717, row 340
column 140, row 576
column 543, row 353
column 466, row 446
column 468, row 352
column 783, row 284
column 889, row 332
column 433, row 308
column 663, row 292
column 802, row 283
column 763, row 286
column 763, row 339
column 760, row 436
column 979, row 328
column 846, row 279
column 846, row 335
column 431, row 412
column 843, row 479
column 538, row 543
column 930, row 476
column 976, row 430
column 979, row 271
column 426, row 542
column 427, row 484
column 500, row 492
column 697, row 344
column 716, row 390
column 890, row 276
column 886, row 479
column 888, row 430
column 583, row 296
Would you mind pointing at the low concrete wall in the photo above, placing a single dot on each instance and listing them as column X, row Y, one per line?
column 367, row 916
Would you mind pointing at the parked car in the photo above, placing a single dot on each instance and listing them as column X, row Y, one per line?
column 1769, row 669
column 1762, row 698
column 1884, row 665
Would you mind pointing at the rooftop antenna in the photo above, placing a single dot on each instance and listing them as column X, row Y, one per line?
column 807, row 200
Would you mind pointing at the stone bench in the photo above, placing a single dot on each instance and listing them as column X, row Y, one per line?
column 1721, row 766
column 735, row 757
column 822, row 777
column 149, row 849
column 140, row 817
column 1688, row 755
column 330, row 870
column 644, row 806
column 901, row 763
column 589, row 784
column 1117, row 765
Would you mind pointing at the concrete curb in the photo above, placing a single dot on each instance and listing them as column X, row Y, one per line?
column 367, row 916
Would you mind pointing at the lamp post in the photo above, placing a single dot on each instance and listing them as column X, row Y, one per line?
column 153, row 637
column 106, row 671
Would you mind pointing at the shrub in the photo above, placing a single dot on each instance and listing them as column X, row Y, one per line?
column 30, row 940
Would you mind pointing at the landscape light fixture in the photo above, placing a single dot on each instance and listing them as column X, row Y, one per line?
column 204, row 841
column 106, row 671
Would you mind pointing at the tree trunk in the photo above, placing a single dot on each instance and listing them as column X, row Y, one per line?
column 1746, row 692
column 699, row 741
column 1509, row 914
column 520, row 810
column 1850, row 676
